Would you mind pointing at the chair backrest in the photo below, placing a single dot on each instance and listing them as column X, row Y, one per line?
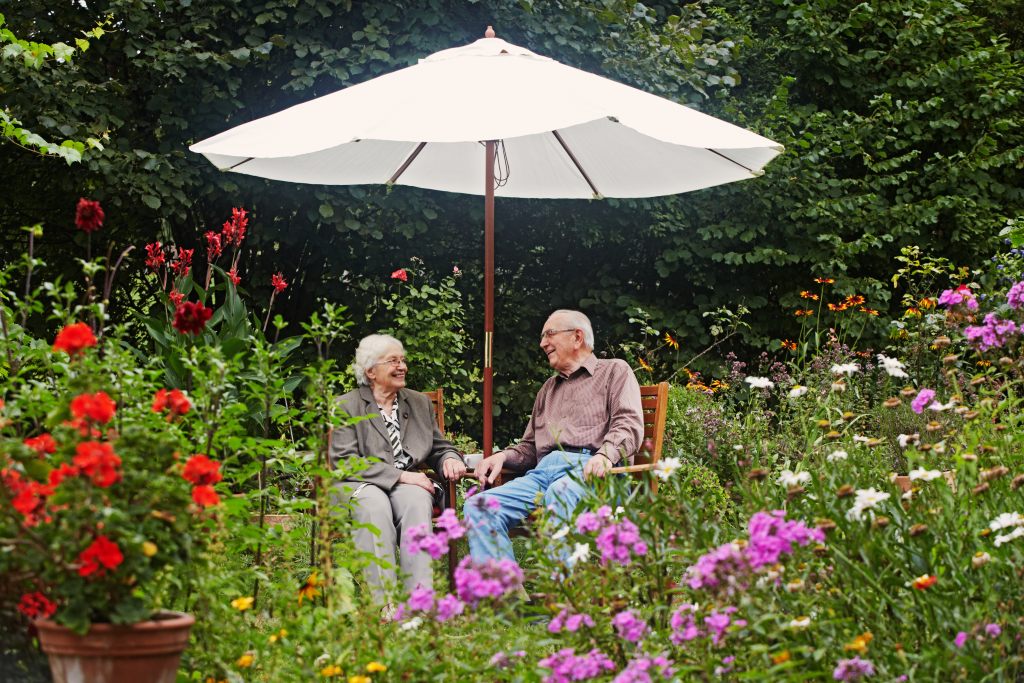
column 654, row 399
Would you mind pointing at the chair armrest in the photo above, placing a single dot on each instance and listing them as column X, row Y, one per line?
column 630, row 469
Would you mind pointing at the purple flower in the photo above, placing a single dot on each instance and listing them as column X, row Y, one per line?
column 448, row 607
column 450, row 524
column 923, row 399
column 475, row 582
column 853, row 669
column 640, row 669
column 684, row 625
column 960, row 295
column 993, row 630
column 589, row 522
column 726, row 666
column 618, row 542
column 567, row 666
column 725, row 569
column 718, row 621
column 995, row 333
column 772, row 536
column 566, row 621
column 960, row 640
column 500, row 660
column 1015, row 297
column 629, row 626
column 420, row 599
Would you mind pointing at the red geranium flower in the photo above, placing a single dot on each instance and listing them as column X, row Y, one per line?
column 98, row 407
column 279, row 283
column 155, row 256
column 173, row 399
column 30, row 500
column 205, row 496
column 61, row 473
column 233, row 274
column 98, row 462
column 73, row 338
column 191, row 317
column 214, row 248
column 36, row 605
column 200, row 470
column 42, row 444
column 183, row 263
column 102, row 554
column 88, row 215
column 400, row 274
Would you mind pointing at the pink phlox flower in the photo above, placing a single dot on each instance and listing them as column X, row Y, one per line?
column 450, row 524
column 492, row 503
column 960, row 295
column 472, row 491
column 995, row 333
column 726, row 666
column 421, row 539
column 684, row 624
column 640, row 669
column 501, row 660
column 618, row 542
column 1015, row 297
column 772, row 536
column 993, row 630
column 960, row 640
column 567, row 621
column 629, row 626
column 567, row 666
column 853, row 669
column 448, row 607
column 724, row 568
column 924, row 398
column 494, row 579
column 719, row 621
column 421, row 599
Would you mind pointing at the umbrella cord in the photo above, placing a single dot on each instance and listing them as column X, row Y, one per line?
column 501, row 167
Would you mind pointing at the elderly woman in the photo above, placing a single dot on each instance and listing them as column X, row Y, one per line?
column 400, row 435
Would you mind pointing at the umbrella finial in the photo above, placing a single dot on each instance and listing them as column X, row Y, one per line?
column 489, row 33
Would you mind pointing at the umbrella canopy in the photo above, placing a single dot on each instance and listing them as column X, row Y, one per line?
column 553, row 132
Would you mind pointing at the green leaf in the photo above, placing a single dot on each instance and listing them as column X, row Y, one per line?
column 151, row 201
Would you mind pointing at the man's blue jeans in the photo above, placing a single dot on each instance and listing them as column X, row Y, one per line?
column 557, row 477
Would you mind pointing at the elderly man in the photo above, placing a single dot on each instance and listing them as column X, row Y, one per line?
column 586, row 418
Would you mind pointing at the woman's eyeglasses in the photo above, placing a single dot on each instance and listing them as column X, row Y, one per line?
column 393, row 362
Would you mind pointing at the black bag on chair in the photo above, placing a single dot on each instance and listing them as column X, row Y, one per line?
column 440, row 498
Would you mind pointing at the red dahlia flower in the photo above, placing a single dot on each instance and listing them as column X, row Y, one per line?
column 191, row 317
column 102, row 554
column 98, row 407
column 279, row 283
column 88, row 215
column 98, row 462
column 73, row 338
column 400, row 274
column 36, row 605
column 200, row 470
column 42, row 444
column 205, row 496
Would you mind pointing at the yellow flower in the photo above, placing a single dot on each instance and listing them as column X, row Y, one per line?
column 358, row 679
column 330, row 671
column 860, row 643
column 808, row 295
column 245, row 661
column 309, row 589
column 671, row 341
column 242, row 604
column 149, row 548
column 646, row 366
column 781, row 658
column 824, row 280
column 375, row 667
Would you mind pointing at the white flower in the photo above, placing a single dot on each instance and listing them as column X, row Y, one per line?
column 561, row 533
column 580, row 553
column 836, row 456
column 795, row 585
column 908, row 494
column 857, row 438
column 800, row 623
column 865, row 500
column 1006, row 538
column 738, row 447
column 1007, row 519
column 924, row 475
column 939, row 407
column 759, row 382
column 939, row 447
column 412, row 624
column 666, row 467
column 845, row 368
column 839, row 386
column 791, row 479
column 905, row 439
column 892, row 366
column 618, row 511
column 797, row 391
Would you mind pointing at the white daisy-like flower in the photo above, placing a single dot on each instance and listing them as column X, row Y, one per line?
column 412, row 624
column 857, row 438
column 939, row 447
column 845, row 368
column 800, row 623
column 836, row 456
column 839, row 386
column 1007, row 519
column 908, row 495
column 580, row 553
column 561, row 533
column 791, row 479
column 906, row 439
column 759, row 382
column 618, row 511
column 797, row 391
column 1006, row 538
column 866, row 499
column 921, row 474
column 892, row 366
column 666, row 467
column 939, row 407
column 738, row 447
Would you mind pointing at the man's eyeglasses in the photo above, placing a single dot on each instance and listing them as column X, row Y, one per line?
column 548, row 334
column 393, row 362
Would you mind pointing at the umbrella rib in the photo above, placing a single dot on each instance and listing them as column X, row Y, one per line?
column 243, row 161
column 576, row 163
column 748, row 170
column 405, row 165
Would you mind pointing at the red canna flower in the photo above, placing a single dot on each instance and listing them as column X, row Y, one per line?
column 176, row 297
column 42, row 444
column 101, row 555
column 205, row 496
column 234, row 229
column 36, row 605
column 233, row 274
column 174, row 399
column 279, row 283
column 155, row 256
column 214, row 248
column 183, row 263
column 201, row 471
column 191, row 317
column 98, row 462
column 98, row 407
column 73, row 338
column 400, row 274
column 88, row 215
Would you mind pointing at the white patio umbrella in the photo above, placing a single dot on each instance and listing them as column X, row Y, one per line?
column 553, row 132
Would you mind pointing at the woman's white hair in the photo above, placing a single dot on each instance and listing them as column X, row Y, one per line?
column 578, row 321
column 371, row 350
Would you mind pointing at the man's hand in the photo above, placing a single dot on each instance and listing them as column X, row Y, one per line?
column 597, row 466
column 417, row 479
column 453, row 469
column 489, row 469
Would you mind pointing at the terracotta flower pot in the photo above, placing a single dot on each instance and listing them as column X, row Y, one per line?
column 147, row 652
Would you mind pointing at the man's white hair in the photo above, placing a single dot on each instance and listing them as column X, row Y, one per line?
column 578, row 321
column 371, row 350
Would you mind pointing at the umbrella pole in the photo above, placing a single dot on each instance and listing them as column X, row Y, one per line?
column 488, row 296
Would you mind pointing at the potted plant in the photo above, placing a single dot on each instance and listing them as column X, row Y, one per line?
column 103, row 504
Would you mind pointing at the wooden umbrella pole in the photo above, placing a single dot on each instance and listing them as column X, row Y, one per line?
column 488, row 296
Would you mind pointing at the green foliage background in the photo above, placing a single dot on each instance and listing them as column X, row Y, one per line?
column 902, row 124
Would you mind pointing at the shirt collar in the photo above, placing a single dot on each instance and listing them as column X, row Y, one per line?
column 589, row 364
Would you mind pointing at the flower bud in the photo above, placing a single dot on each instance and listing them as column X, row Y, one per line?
column 825, row 524
column 1006, row 361
column 980, row 559
column 980, row 489
column 844, row 491
column 833, row 435
column 994, row 472
column 893, row 402
column 149, row 548
column 908, row 392
column 824, row 424
column 979, row 380
column 941, row 342
column 969, row 457
column 1017, row 482
column 951, row 359
column 971, row 414
column 918, row 529
column 880, row 522
column 757, row 474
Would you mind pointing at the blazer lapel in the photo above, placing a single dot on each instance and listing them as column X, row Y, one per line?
column 371, row 408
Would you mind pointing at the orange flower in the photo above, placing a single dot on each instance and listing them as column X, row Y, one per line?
column 803, row 311
column 788, row 345
column 824, row 280
column 838, row 307
column 808, row 295
column 924, row 582
column 926, row 303
column 869, row 311
column 860, row 643
column 671, row 341
column 309, row 589
column 912, row 312
column 854, row 300
column 645, row 365
column 781, row 658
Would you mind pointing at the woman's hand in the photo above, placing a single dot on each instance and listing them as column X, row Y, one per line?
column 417, row 479
column 453, row 469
